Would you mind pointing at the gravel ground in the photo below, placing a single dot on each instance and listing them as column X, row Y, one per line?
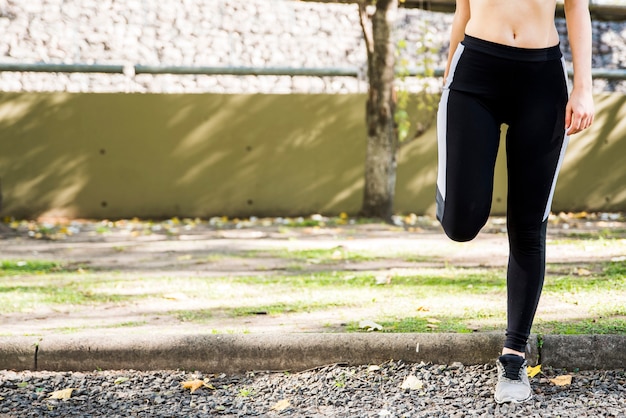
column 334, row 390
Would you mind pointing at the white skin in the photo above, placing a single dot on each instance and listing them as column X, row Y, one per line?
column 530, row 24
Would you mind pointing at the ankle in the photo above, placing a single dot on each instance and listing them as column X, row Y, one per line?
column 506, row 350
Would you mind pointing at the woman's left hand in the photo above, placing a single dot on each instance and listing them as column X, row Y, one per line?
column 579, row 111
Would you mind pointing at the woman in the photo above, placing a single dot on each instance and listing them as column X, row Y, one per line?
column 505, row 67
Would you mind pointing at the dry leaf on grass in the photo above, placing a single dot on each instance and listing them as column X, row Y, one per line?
column 564, row 380
column 578, row 215
column 369, row 325
column 281, row 405
column 383, row 279
column 194, row 385
column 62, row 394
column 337, row 255
column 175, row 296
column 533, row 371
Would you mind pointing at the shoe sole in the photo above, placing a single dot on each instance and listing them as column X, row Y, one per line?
column 499, row 402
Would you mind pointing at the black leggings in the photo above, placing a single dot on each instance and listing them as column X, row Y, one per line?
column 489, row 85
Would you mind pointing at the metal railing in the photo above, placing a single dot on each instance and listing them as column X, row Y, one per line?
column 601, row 73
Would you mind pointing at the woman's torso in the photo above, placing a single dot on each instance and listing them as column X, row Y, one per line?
column 520, row 23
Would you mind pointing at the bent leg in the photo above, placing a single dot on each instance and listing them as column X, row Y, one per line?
column 468, row 139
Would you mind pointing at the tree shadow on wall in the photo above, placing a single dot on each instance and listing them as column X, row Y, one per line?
column 125, row 155
column 41, row 166
column 594, row 174
column 273, row 154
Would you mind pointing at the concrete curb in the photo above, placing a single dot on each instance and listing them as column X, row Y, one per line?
column 586, row 352
column 239, row 353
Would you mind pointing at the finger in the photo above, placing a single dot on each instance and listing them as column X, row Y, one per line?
column 574, row 126
column 579, row 126
column 568, row 117
column 578, row 120
column 589, row 121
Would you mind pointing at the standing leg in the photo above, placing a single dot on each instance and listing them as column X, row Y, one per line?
column 536, row 144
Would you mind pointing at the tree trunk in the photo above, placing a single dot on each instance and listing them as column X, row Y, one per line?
column 382, row 138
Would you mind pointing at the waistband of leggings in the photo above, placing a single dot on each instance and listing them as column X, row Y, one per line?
column 513, row 52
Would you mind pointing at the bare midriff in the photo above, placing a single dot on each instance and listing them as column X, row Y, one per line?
column 519, row 23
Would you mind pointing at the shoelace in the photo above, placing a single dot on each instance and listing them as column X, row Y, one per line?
column 512, row 366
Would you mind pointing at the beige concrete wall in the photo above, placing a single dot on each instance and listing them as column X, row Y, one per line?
column 124, row 155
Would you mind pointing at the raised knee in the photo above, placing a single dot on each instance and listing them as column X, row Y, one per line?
column 460, row 232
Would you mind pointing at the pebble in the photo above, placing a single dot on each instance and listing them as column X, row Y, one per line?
column 333, row 391
column 254, row 33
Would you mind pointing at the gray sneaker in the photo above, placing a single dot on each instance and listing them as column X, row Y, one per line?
column 513, row 385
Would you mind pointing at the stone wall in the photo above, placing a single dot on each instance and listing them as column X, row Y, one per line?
column 251, row 33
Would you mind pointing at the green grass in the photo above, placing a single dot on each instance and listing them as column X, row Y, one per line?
column 325, row 256
column 200, row 315
column 598, row 325
column 604, row 234
column 18, row 268
column 419, row 258
column 615, row 269
column 286, row 308
column 127, row 324
column 435, row 280
column 279, row 308
column 583, row 326
column 604, row 277
column 416, row 324
column 454, row 299
column 23, row 298
column 25, row 287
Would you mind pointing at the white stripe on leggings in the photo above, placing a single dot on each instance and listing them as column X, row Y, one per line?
column 561, row 156
column 442, row 120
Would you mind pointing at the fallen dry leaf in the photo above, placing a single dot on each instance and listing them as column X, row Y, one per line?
column 579, row 215
column 368, row 325
column 533, row 371
column 373, row 368
column 582, row 272
column 412, row 383
column 194, row 385
column 564, row 380
column 337, row 255
column 62, row 394
column 383, row 279
column 281, row 405
column 175, row 296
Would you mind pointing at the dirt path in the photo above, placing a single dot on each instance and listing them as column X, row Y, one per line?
column 204, row 250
